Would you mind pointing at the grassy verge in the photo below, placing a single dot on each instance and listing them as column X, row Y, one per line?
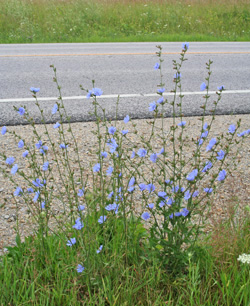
column 51, row 21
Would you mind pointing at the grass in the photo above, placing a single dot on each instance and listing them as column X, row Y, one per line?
column 42, row 271
column 52, row 21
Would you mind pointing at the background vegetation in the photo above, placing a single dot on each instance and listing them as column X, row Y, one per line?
column 48, row 21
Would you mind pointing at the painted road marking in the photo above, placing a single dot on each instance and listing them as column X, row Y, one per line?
column 123, row 96
column 134, row 53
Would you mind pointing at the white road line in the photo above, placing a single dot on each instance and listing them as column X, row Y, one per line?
column 123, row 96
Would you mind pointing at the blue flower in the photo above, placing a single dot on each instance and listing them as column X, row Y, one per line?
column 34, row 89
column 45, row 166
column 126, row 119
column 191, row 176
column 208, row 190
column 156, row 66
column 177, row 75
column 150, row 187
column 212, row 142
column 124, row 132
column 39, row 144
column 162, row 194
column 81, row 207
column 14, row 169
column 203, row 86
column 81, row 192
column 21, row 111
column 30, row 190
column 54, row 109
column 131, row 184
column 244, row 133
column 204, row 134
column 97, row 167
column 222, row 175
column 221, row 155
column 20, row 144
column 231, row 129
column 111, row 207
column 182, row 123
column 153, row 157
column 187, row 195
column 18, row 191
column 185, row 46
column 42, row 205
column 63, row 146
column 222, row 87
column 208, row 166
column 104, row 154
column 4, row 130
column 38, row 183
column 195, row 193
column 184, row 212
column 36, row 196
column 161, row 100
column 170, row 201
column 109, row 171
column 132, row 155
column 142, row 152
column 102, row 219
column 80, row 268
column 205, row 126
column 78, row 224
column 111, row 194
column 56, row 125
column 161, row 151
column 112, row 130
column 10, row 160
column 71, row 241
column 151, row 205
column 152, row 106
column 94, row 92
column 142, row 186
column 161, row 204
column 145, row 216
column 100, row 249
column 161, row 90
column 112, row 145
column 25, row 154
column 45, row 148
column 200, row 141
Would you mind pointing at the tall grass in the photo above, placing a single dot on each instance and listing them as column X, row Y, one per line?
column 41, row 21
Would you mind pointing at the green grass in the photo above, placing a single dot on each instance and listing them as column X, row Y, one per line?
column 42, row 271
column 48, row 21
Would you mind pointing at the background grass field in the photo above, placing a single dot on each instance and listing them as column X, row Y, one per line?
column 47, row 21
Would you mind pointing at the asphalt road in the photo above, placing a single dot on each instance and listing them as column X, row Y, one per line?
column 125, row 69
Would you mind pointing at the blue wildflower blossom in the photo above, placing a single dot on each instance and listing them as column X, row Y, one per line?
column 212, row 142
column 56, row 125
column 187, row 195
column 208, row 166
column 204, row 134
column 200, row 142
column 94, row 92
column 131, row 184
column 132, row 155
column 81, row 207
column 104, row 154
column 220, row 88
column 112, row 145
column 36, row 196
column 34, row 89
column 162, row 194
column 231, row 128
column 124, row 132
column 195, row 193
column 110, row 194
column 63, row 146
column 142, row 152
column 112, row 130
column 45, row 166
column 161, row 100
column 244, row 133
column 221, row 155
column 54, row 109
column 177, row 75
column 184, row 212
column 222, row 175
column 10, row 160
column 153, row 157
column 142, row 186
column 145, row 216
column 30, row 190
column 161, row 151
column 21, row 111
column 152, row 106
column 96, row 167
column 100, row 249
column 156, row 66
column 18, row 191
column 102, row 219
column 208, row 190
column 42, row 205
column 80, row 192
column 38, row 183
column 126, row 119
column 39, row 144
column 4, row 130
column 170, row 201
column 14, row 169
column 25, row 154
column 161, row 90
column 80, row 268
column 109, row 170
column 151, row 205
column 44, row 149
column 20, row 144
column 185, row 46
column 71, row 242
column 150, row 187
column 182, row 123
column 111, row 207
column 205, row 126
column 78, row 224
column 191, row 176
column 203, row 86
